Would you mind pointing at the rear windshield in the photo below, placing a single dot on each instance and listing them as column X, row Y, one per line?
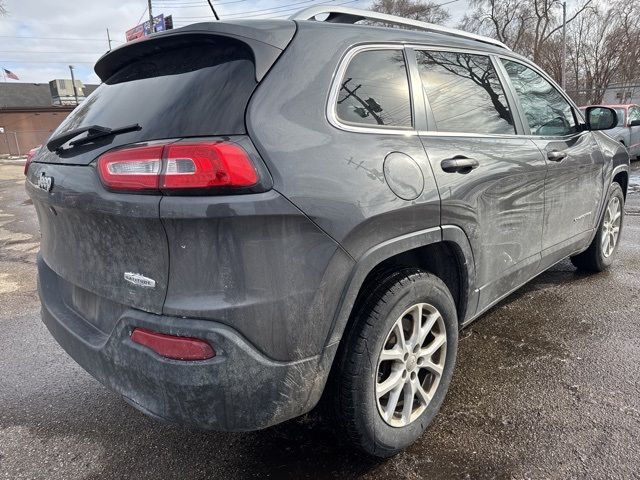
column 197, row 90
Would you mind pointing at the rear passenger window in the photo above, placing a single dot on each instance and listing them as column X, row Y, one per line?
column 464, row 93
column 375, row 90
column 547, row 111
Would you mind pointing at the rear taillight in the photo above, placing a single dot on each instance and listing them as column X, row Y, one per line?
column 172, row 346
column 132, row 168
column 30, row 155
column 178, row 166
column 204, row 165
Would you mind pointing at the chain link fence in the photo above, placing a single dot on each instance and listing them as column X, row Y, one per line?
column 16, row 144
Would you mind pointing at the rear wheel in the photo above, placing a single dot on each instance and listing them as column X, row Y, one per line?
column 600, row 253
column 396, row 363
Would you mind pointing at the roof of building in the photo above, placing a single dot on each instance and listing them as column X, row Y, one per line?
column 30, row 95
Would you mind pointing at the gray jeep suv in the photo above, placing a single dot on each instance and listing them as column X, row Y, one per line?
column 246, row 215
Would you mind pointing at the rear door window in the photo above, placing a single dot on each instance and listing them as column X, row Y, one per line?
column 464, row 93
column 196, row 90
column 546, row 110
column 375, row 90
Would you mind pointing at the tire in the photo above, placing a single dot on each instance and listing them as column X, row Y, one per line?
column 599, row 256
column 357, row 375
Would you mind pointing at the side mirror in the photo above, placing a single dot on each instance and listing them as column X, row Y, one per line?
column 601, row 118
column 635, row 123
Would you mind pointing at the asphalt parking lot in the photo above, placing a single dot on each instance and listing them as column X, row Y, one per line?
column 547, row 386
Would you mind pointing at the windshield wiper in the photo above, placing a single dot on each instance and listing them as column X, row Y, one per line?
column 93, row 132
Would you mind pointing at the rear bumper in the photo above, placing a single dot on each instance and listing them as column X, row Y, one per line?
column 239, row 389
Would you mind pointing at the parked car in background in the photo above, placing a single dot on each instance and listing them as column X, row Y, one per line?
column 246, row 215
column 627, row 131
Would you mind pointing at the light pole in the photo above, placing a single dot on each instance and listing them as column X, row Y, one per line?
column 150, row 7
column 73, row 82
column 564, row 45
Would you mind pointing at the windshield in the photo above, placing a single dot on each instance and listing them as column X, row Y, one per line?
column 198, row 90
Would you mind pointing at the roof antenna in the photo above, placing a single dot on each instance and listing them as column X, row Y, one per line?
column 213, row 10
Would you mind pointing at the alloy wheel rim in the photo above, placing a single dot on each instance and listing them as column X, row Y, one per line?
column 611, row 226
column 410, row 365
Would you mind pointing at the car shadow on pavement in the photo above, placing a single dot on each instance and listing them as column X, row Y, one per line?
column 110, row 439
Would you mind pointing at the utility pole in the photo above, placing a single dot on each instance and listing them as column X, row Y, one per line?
column 366, row 106
column 150, row 8
column 564, row 45
column 73, row 82
column 109, row 39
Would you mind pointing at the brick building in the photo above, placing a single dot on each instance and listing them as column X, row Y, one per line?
column 28, row 115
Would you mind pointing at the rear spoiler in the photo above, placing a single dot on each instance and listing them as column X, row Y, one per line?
column 266, row 38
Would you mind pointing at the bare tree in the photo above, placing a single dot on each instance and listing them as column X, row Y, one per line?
column 3, row 9
column 604, row 48
column 627, row 34
column 528, row 27
column 478, row 70
column 425, row 11
column 546, row 22
column 505, row 20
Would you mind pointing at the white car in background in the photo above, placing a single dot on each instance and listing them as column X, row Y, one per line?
column 627, row 131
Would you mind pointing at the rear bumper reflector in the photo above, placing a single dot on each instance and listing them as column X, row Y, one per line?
column 174, row 347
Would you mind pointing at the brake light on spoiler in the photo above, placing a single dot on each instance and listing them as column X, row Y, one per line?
column 178, row 166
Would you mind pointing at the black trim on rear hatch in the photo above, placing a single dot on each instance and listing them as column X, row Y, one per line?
column 266, row 39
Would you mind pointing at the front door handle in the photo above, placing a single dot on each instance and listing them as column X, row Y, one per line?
column 459, row 164
column 556, row 156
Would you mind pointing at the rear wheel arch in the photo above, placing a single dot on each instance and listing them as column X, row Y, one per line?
column 442, row 259
column 442, row 251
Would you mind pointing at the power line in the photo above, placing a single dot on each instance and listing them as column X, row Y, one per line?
column 279, row 14
column 31, row 52
column 140, row 19
column 59, row 38
column 163, row 6
column 274, row 9
column 23, row 62
column 178, row 3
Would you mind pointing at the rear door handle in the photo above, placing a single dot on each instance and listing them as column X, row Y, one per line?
column 459, row 164
column 556, row 156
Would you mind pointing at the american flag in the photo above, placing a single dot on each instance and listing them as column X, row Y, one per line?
column 10, row 74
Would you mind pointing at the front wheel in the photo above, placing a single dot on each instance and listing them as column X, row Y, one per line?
column 600, row 253
column 396, row 363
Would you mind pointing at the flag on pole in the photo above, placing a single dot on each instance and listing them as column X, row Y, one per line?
column 10, row 74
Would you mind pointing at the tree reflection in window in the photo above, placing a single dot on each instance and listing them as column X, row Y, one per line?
column 546, row 110
column 464, row 93
column 375, row 90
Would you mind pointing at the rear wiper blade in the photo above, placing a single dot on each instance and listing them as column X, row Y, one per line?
column 93, row 132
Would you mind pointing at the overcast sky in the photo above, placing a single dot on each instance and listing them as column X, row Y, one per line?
column 40, row 38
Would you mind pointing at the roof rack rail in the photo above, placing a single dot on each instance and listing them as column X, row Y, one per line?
column 353, row 15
